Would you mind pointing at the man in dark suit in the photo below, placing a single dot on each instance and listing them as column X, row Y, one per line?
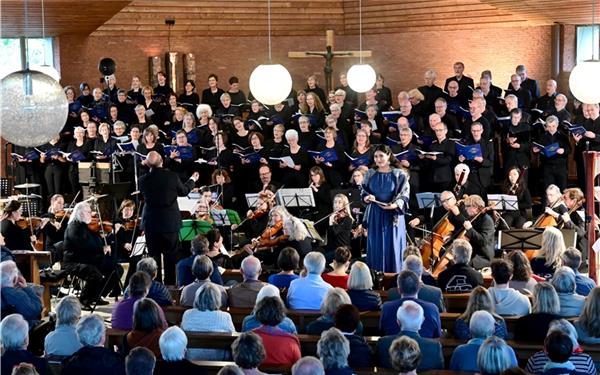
column 161, row 219
column 515, row 87
column 527, row 83
column 410, row 317
column 481, row 166
column 465, row 84
column 430, row 91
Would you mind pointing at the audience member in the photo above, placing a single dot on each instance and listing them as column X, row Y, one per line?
column 507, row 301
column 408, row 286
column 158, row 291
column 333, row 349
column 571, row 258
column 481, row 326
column 426, row 292
column 282, row 348
column 410, row 317
column 244, row 293
column 230, row 370
column 522, row 278
column 460, row 277
column 147, row 327
column 248, row 352
column 202, row 269
column 546, row 306
column 547, row 260
column 198, row 246
column 480, row 299
column 558, row 347
column 360, row 288
column 308, row 292
column 140, row 361
column 308, row 366
column 250, row 322
column 287, row 261
column 93, row 358
column 14, row 337
column 173, row 345
column 16, row 296
column 63, row 340
column 588, row 323
column 339, row 276
column 347, row 319
column 571, row 303
column 334, row 298
column 206, row 317
column 122, row 314
column 405, row 355
column 494, row 356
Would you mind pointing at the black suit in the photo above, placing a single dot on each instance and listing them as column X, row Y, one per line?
column 161, row 219
column 465, row 85
column 481, row 173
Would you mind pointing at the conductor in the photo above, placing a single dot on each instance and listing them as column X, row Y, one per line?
column 161, row 219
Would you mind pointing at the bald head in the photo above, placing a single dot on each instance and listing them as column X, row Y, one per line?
column 154, row 160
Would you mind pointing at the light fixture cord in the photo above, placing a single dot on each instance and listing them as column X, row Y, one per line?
column 269, row 26
column 593, row 29
column 43, row 24
column 360, row 30
column 25, row 43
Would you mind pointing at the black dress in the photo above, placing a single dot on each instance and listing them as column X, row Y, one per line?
column 15, row 237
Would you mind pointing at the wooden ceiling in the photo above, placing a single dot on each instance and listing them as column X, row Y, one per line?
column 289, row 17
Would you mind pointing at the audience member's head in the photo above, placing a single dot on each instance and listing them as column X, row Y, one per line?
column 480, row 299
column 521, row 266
column 248, row 350
column 173, row 344
column 334, row 298
column 405, row 354
column 202, row 267
column 553, row 245
column 566, row 327
column 341, row 257
column 14, row 332
column 230, row 370
column 408, row 283
column 68, row 311
column 149, row 266
column 333, row 349
column 589, row 319
column 360, row 277
column 308, row 366
column 91, row 330
column 8, row 273
column 571, row 258
column 414, row 263
column 24, row 368
column 146, row 316
column 270, row 311
column 558, row 347
column 139, row 284
column 462, row 251
column 545, row 299
column 288, row 259
column 251, row 268
column 410, row 316
column 208, row 297
column 493, row 357
column 140, row 361
column 347, row 318
column 564, row 280
column 199, row 245
column 314, row 263
column 481, row 325
column 501, row 271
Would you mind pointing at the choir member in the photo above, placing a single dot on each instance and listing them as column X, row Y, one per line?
column 212, row 94
column 465, row 83
column 554, row 165
column 440, row 165
column 136, row 93
column 524, row 95
column 313, row 86
column 333, row 169
column 189, row 99
column 517, row 141
column 294, row 176
column 384, row 94
column 481, row 166
column 430, row 91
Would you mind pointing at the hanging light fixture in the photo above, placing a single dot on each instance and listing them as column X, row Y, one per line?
column 584, row 81
column 361, row 77
column 45, row 68
column 270, row 83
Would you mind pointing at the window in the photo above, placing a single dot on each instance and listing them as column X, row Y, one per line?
column 39, row 50
column 585, row 42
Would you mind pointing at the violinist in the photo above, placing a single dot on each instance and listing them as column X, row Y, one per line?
column 257, row 217
column 554, row 209
column 127, row 230
column 515, row 184
column 85, row 256
column 473, row 224
column 574, row 200
column 226, row 191
column 322, row 194
column 294, row 235
column 54, row 227
column 340, row 224
column 16, row 229
column 270, row 236
column 202, row 211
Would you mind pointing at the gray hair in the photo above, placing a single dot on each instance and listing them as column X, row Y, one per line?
column 77, row 214
column 335, row 106
column 225, row 95
column 68, row 311
column 462, row 167
column 512, row 97
column 563, row 96
column 230, row 370
column 147, row 265
column 564, row 280
column 139, row 106
column 462, row 251
column 173, row 344
column 493, row 356
column 291, row 134
column 415, row 264
column 119, row 124
column 308, row 366
column 553, row 119
column 333, row 348
column 564, row 326
column 203, row 108
column 251, row 268
column 410, row 316
column 8, row 273
column 340, row 92
column 91, row 330
column 334, row 298
column 571, row 258
column 14, row 332
column 545, row 299
column 314, row 262
column 202, row 267
column 268, row 290
column 405, row 354
column 208, row 297
column 360, row 277
column 248, row 350
column 481, row 324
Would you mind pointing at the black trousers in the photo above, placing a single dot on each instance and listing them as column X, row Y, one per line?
column 96, row 277
column 165, row 244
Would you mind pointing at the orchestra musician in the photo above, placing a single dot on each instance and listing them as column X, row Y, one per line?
column 340, row 224
column 573, row 199
column 516, row 184
column 461, row 176
column 270, row 237
column 16, row 230
column 127, row 230
column 257, row 217
column 202, row 210
column 53, row 228
column 86, row 255
column 555, row 207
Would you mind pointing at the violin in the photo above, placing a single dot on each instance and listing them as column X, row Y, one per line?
column 270, row 237
column 131, row 224
column 60, row 215
column 97, row 227
column 257, row 214
column 339, row 216
column 26, row 222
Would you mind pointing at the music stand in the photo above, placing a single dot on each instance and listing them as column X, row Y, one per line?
column 503, row 202
column 192, row 228
column 296, row 197
column 251, row 200
column 312, row 232
column 429, row 200
column 530, row 239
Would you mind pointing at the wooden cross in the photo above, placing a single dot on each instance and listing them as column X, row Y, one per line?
column 329, row 54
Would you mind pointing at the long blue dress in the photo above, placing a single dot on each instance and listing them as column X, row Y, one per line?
column 386, row 237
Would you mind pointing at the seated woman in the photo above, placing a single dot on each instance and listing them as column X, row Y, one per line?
column 334, row 298
column 282, row 348
column 250, row 322
column 16, row 238
column 522, row 279
column 173, row 346
column 14, row 334
column 63, row 341
column 333, row 349
column 360, row 288
column 17, row 297
column 341, row 261
column 206, row 317
column 297, row 235
column 545, row 262
column 287, row 261
column 248, row 352
column 546, row 306
column 347, row 320
column 127, row 230
column 588, row 323
column 517, row 185
column 494, row 356
column 480, row 299
column 147, row 328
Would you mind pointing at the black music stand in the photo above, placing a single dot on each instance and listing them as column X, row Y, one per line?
column 429, row 200
column 503, row 202
column 296, row 198
column 520, row 239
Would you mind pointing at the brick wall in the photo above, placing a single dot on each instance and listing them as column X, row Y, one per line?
column 402, row 58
